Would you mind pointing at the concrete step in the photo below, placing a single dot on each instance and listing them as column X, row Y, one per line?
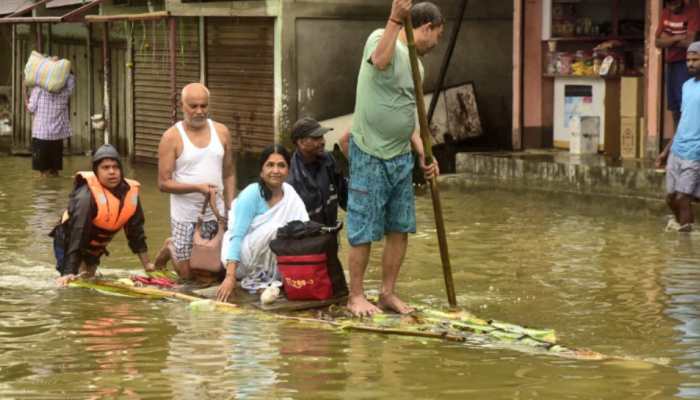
column 560, row 171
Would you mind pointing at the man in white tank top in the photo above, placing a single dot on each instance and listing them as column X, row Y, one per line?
column 194, row 159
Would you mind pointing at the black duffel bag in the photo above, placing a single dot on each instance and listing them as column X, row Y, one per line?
column 307, row 259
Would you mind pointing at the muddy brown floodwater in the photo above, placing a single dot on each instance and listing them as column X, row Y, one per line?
column 600, row 271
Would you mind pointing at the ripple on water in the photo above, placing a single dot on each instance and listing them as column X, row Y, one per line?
column 599, row 271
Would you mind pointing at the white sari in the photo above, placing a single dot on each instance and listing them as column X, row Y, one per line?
column 258, row 265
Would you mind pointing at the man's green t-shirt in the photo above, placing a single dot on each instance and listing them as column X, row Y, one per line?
column 385, row 105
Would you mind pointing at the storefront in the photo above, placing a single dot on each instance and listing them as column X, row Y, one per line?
column 588, row 77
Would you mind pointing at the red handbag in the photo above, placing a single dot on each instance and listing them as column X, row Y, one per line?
column 305, row 277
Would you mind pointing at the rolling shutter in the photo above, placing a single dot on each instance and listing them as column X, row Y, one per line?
column 240, row 76
column 152, row 103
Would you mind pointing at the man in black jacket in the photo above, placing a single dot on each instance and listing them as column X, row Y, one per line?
column 101, row 204
column 314, row 173
column 316, row 177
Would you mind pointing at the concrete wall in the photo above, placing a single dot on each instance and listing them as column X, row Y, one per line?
column 329, row 48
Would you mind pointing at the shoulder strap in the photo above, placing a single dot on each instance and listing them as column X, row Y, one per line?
column 211, row 202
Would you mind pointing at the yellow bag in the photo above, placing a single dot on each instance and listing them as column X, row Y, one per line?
column 47, row 73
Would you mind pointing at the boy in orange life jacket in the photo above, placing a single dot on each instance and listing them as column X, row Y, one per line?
column 101, row 204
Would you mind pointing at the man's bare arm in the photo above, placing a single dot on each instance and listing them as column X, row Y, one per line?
column 665, row 40
column 384, row 53
column 167, row 154
column 687, row 40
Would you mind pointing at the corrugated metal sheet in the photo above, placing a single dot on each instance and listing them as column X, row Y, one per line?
column 10, row 6
column 64, row 3
column 240, row 76
column 152, row 105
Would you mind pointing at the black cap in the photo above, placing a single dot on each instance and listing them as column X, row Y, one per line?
column 308, row 127
column 105, row 151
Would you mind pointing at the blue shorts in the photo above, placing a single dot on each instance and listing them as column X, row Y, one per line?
column 380, row 199
column 676, row 76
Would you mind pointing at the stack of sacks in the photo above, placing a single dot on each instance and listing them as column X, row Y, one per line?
column 45, row 72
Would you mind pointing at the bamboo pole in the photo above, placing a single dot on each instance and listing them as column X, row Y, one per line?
column 428, row 150
column 376, row 329
column 151, row 291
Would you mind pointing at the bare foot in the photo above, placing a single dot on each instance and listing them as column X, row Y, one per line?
column 392, row 302
column 164, row 255
column 360, row 307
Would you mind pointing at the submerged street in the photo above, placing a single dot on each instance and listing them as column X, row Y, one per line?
column 600, row 271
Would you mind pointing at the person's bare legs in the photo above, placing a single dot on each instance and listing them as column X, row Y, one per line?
column 182, row 268
column 358, row 258
column 87, row 271
column 392, row 259
column 164, row 255
column 167, row 253
column 671, row 202
column 685, row 211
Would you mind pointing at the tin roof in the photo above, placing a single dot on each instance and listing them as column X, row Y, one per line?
column 74, row 14
column 63, row 3
column 10, row 6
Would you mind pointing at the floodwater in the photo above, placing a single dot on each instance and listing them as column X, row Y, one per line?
column 600, row 271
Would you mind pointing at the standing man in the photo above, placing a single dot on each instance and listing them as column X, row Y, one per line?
column 380, row 200
column 51, row 124
column 676, row 31
column 683, row 163
column 194, row 160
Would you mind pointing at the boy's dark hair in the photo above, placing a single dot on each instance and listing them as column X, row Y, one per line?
column 426, row 12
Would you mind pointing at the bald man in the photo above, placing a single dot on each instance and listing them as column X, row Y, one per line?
column 194, row 160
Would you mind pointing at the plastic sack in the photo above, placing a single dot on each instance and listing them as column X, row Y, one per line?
column 45, row 72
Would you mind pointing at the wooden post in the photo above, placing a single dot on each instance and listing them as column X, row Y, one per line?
column 172, row 42
column 654, row 82
column 90, row 82
column 39, row 38
column 202, row 50
column 616, row 18
column 107, row 76
column 517, row 133
column 130, row 136
column 17, row 85
column 49, row 41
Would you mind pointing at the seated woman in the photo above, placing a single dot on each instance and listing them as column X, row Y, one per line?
column 255, row 215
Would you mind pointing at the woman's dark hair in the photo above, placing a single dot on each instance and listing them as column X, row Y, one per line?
column 426, row 12
column 265, row 191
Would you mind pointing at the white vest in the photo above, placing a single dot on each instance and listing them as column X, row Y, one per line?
column 195, row 166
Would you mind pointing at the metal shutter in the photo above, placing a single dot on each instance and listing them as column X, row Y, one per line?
column 152, row 104
column 240, row 76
